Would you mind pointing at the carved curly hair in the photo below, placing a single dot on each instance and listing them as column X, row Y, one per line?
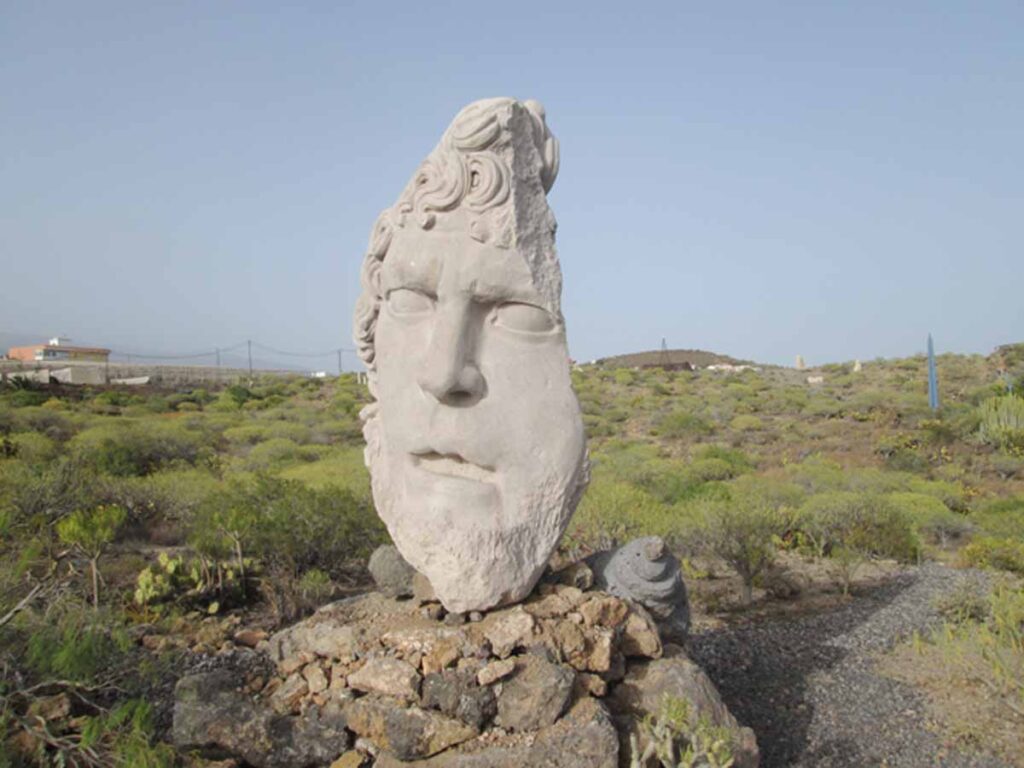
column 468, row 170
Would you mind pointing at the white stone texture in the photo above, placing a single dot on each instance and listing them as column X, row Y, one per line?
column 475, row 444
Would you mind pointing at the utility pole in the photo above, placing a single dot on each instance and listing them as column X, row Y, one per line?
column 250, row 358
column 339, row 363
column 216, row 376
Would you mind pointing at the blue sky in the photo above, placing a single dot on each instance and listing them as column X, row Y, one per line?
column 834, row 180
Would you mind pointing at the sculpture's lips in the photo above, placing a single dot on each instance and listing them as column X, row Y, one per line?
column 452, row 465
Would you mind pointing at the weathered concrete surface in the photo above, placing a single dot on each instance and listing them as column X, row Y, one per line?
column 475, row 444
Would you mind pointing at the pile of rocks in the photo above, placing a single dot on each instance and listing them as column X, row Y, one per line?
column 558, row 680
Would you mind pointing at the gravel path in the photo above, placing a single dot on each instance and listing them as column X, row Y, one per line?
column 807, row 686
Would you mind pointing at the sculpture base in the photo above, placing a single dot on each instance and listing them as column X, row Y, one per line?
column 562, row 679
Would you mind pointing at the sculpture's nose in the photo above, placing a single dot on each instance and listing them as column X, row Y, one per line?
column 449, row 372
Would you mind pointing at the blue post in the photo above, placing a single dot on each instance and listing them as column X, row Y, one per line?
column 933, row 379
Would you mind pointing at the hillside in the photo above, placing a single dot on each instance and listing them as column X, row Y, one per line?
column 673, row 358
column 224, row 513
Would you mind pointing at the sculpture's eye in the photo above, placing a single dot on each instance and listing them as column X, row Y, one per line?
column 526, row 318
column 406, row 301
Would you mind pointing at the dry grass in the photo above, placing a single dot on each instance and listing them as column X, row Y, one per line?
column 971, row 671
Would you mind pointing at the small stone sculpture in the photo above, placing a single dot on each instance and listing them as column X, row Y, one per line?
column 646, row 572
column 475, row 442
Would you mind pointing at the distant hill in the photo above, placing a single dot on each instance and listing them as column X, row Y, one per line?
column 1009, row 356
column 698, row 358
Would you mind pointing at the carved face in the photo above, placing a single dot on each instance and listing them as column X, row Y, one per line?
column 480, row 442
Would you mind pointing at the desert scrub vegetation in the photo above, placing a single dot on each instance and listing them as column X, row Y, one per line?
column 857, row 463
column 127, row 511
column 972, row 666
column 251, row 499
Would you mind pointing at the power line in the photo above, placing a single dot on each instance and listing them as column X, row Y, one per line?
column 212, row 353
column 302, row 354
column 217, row 354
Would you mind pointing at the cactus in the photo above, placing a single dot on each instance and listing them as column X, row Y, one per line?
column 676, row 741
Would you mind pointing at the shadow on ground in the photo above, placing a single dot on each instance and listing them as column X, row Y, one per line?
column 763, row 672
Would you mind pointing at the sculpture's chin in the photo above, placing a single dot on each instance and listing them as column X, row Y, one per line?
column 473, row 562
column 473, row 570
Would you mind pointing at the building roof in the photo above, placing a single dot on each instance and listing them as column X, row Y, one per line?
column 68, row 347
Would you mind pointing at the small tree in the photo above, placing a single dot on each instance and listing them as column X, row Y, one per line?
column 741, row 531
column 90, row 532
column 850, row 528
column 232, row 520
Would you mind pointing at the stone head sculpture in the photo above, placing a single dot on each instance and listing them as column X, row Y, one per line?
column 475, row 442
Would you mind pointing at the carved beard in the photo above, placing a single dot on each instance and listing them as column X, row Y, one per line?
column 471, row 567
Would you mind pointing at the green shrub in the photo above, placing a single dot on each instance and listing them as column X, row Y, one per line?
column 36, row 499
column 866, row 524
column 613, row 511
column 1002, row 518
column 993, row 552
column 176, row 493
column 315, row 587
column 952, row 494
column 706, row 470
column 667, row 480
column 680, row 424
column 736, row 459
column 1005, row 466
column 139, row 448
column 287, row 526
column 777, row 491
column 49, row 422
column 237, row 394
column 596, row 426
column 34, row 448
column 340, row 466
column 740, row 531
column 821, row 406
column 278, row 450
column 816, row 474
column 124, row 737
column 746, row 423
column 247, row 434
column 91, row 531
column 624, row 377
column 900, row 453
column 26, row 398
column 930, row 517
column 290, row 430
column 78, row 645
column 346, row 403
column 340, row 431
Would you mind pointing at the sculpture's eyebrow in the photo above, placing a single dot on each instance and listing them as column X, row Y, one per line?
column 501, row 279
column 402, row 270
